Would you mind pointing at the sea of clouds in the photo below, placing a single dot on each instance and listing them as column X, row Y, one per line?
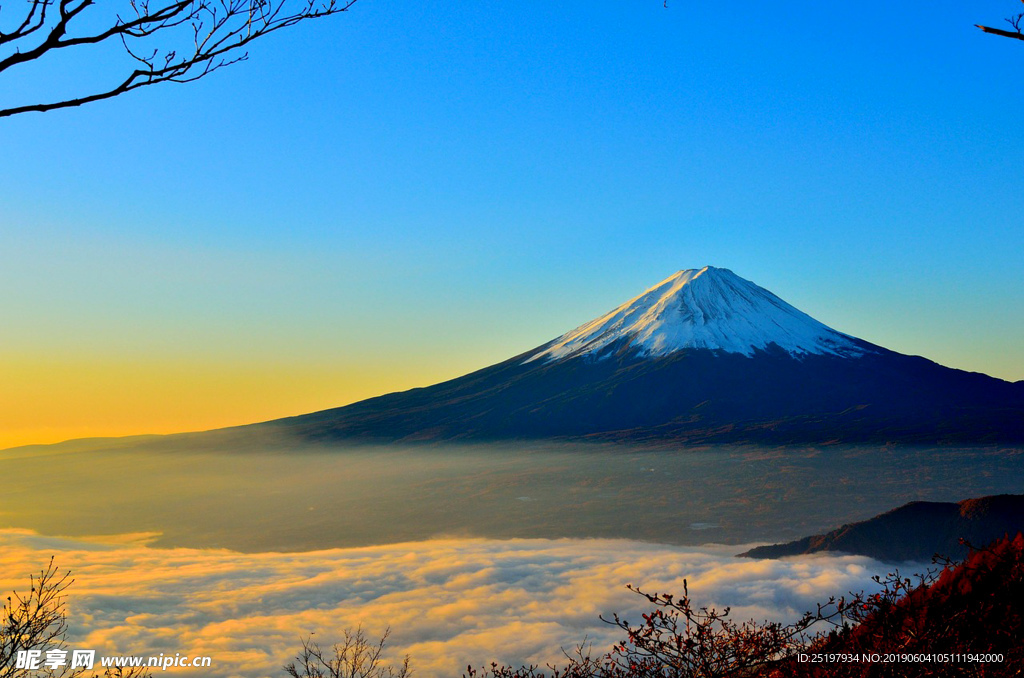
column 448, row 602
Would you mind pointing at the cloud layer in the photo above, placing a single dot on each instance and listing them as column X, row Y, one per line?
column 449, row 603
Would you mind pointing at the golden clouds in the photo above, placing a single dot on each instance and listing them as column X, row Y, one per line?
column 449, row 602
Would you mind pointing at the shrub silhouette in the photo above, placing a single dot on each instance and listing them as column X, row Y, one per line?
column 37, row 620
column 355, row 657
column 967, row 611
column 679, row 640
column 974, row 608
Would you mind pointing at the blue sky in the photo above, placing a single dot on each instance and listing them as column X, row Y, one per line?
column 407, row 192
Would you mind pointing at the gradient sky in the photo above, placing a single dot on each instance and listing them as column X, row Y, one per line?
column 408, row 192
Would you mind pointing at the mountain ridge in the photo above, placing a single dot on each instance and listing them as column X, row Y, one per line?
column 692, row 397
column 914, row 531
column 618, row 379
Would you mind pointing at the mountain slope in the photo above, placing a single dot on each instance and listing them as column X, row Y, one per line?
column 915, row 531
column 704, row 356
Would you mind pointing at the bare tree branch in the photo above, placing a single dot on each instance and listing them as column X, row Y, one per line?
column 35, row 620
column 355, row 657
column 998, row 31
column 176, row 41
column 1014, row 21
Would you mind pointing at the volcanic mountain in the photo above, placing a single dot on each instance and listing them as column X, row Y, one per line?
column 703, row 356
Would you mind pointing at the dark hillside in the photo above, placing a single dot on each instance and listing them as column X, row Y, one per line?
column 915, row 531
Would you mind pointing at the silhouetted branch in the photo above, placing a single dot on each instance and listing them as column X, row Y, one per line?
column 35, row 620
column 997, row 31
column 201, row 36
column 1014, row 21
column 355, row 657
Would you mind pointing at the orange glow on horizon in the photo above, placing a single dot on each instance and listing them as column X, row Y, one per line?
column 48, row 401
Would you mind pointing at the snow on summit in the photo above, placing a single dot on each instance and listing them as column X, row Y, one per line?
column 710, row 308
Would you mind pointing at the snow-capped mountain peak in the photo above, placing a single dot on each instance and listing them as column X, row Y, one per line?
column 708, row 308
